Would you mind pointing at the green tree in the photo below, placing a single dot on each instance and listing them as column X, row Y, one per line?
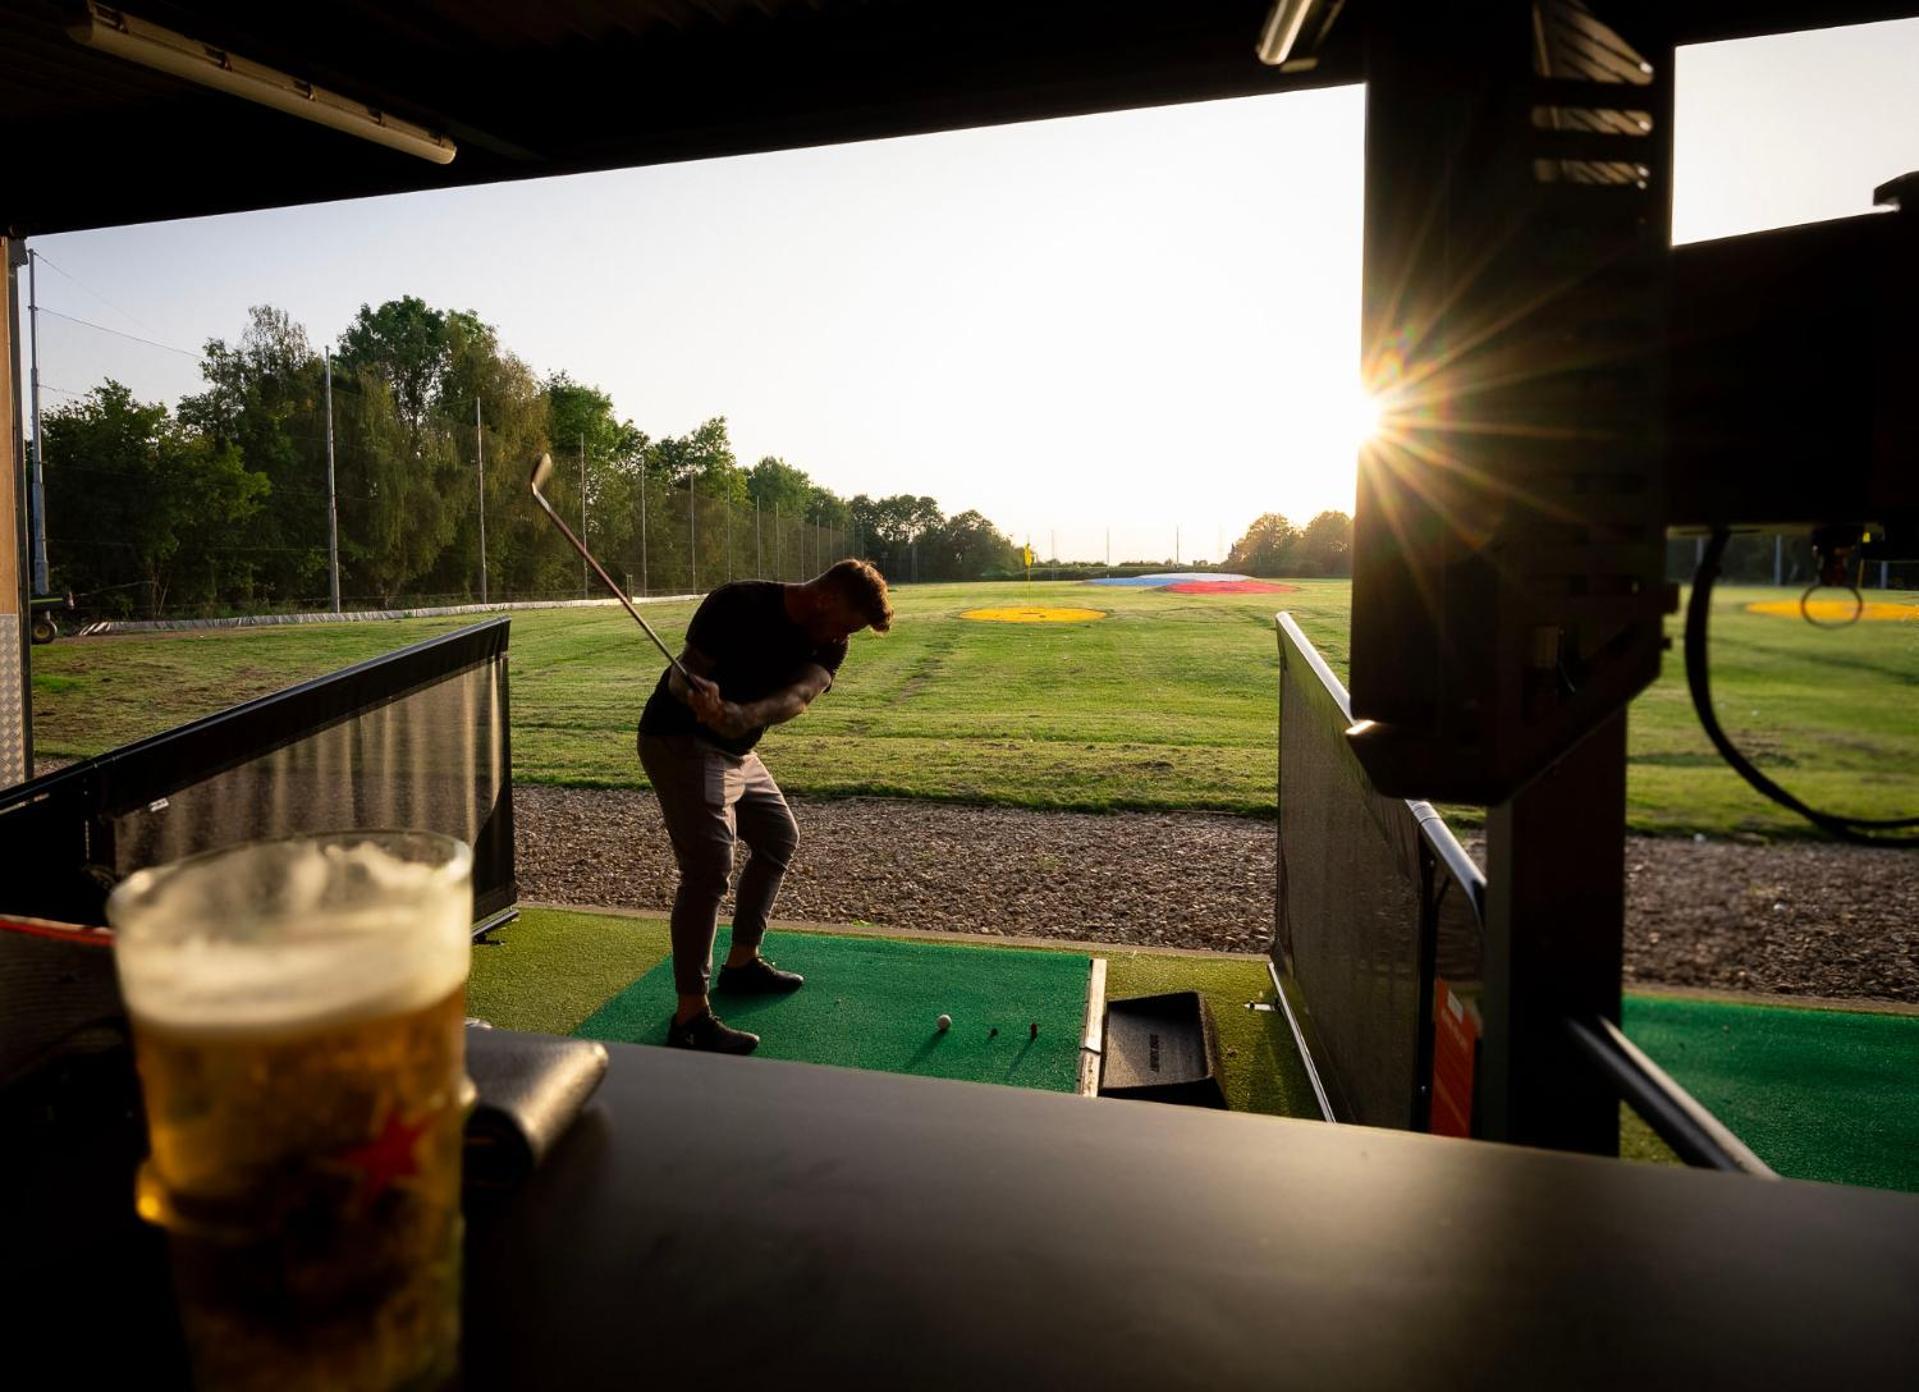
column 773, row 483
column 405, row 342
column 264, row 398
column 1266, row 548
column 1326, row 545
column 398, row 500
column 966, row 547
column 142, row 503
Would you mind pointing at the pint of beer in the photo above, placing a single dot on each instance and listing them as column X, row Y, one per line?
column 297, row 1009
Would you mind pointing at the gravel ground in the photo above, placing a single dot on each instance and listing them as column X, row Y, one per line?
column 1796, row 919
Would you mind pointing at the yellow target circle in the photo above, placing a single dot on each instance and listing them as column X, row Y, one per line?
column 1032, row 613
column 1838, row 610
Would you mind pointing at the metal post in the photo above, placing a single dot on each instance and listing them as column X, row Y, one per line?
column 584, row 591
column 693, row 532
column 729, row 538
column 38, row 497
column 1885, row 575
column 1778, row 558
column 776, row 541
column 332, row 500
column 479, row 455
column 759, row 564
column 642, row 526
column 1556, row 908
column 16, row 627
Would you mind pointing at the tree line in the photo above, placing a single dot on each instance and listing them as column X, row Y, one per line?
column 221, row 505
column 1274, row 546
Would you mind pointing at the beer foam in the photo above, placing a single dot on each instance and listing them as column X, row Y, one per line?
column 289, row 936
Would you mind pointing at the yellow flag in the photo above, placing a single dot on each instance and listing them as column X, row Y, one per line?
column 1027, row 553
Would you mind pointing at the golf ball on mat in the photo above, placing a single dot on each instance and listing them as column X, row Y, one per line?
column 945, row 1023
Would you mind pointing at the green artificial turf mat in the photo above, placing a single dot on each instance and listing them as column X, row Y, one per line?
column 872, row 1003
column 551, row 968
column 1817, row 1094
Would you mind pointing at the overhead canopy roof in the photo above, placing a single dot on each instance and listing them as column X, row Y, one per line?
column 566, row 86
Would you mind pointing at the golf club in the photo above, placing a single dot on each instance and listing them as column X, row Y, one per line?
column 540, row 472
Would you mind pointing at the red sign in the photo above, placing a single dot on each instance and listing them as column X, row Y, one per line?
column 1455, row 1046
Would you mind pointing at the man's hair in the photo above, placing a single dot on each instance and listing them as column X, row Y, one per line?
column 864, row 589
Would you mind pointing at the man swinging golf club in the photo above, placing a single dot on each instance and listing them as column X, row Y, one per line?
column 757, row 653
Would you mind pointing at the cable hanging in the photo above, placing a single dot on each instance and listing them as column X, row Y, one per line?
column 1699, row 683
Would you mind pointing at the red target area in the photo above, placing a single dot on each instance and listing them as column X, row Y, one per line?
column 1228, row 587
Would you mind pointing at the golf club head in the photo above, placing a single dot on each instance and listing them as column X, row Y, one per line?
column 541, row 472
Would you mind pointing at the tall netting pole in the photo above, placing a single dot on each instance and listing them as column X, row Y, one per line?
column 642, row 529
column 693, row 535
column 479, row 459
column 759, row 562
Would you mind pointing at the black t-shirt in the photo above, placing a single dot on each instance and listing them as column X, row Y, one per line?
column 756, row 650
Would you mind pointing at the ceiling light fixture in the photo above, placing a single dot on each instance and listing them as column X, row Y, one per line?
column 116, row 32
column 1276, row 40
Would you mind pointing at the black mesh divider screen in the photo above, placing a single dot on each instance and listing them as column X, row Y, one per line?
column 1372, row 891
column 417, row 738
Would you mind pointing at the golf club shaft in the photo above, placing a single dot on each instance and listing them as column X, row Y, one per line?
column 607, row 580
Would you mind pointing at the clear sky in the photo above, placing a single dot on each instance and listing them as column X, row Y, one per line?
column 1139, row 322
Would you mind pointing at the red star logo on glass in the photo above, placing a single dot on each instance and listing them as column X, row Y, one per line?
column 387, row 1157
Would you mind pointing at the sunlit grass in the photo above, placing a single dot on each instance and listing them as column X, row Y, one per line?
column 1167, row 703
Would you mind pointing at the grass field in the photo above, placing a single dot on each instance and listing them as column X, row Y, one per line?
column 1167, row 703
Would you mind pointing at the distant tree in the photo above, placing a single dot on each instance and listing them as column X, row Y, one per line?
column 1266, row 548
column 1326, row 545
column 702, row 457
column 264, row 398
column 139, row 502
column 773, row 483
column 615, row 452
column 400, row 498
column 405, row 342
column 825, row 508
column 966, row 547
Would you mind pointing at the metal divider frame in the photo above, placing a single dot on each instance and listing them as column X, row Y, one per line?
column 338, row 752
column 1385, row 1079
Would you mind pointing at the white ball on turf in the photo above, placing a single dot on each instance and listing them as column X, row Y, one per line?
column 945, row 1023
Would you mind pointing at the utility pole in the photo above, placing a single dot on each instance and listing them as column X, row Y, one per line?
column 332, row 501
column 479, row 455
column 584, row 591
column 642, row 525
column 38, row 497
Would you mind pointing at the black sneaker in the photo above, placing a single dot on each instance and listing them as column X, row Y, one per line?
column 710, row 1034
column 758, row 978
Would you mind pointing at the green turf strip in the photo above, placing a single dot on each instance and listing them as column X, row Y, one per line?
column 552, row 968
column 1817, row 1094
column 873, row 1003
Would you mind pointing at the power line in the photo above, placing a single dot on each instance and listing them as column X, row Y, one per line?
column 46, row 260
column 121, row 333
